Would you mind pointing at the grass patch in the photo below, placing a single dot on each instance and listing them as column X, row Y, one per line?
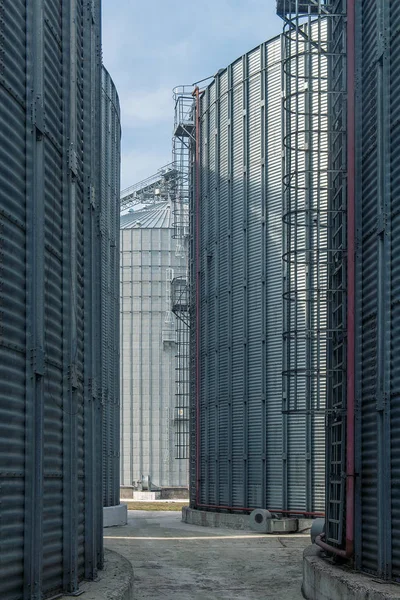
column 133, row 505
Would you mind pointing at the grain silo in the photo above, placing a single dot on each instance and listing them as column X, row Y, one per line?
column 50, row 405
column 362, row 511
column 257, row 438
column 114, row 512
column 377, row 258
column 150, row 261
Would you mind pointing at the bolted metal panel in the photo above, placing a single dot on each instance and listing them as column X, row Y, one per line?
column 377, row 383
column 89, row 496
column 109, row 229
column 149, row 262
column 394, row 19
column 369, row 276
column 12, row 297
column 242, row 449
column 271, row 276
column 49, row 88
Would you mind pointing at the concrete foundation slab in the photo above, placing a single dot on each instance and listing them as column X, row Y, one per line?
column 282, row 526
column 115, row 582
column 323, row 580
column 305, row 525
column 114, row 516
column 233, row 520
column 214, row 519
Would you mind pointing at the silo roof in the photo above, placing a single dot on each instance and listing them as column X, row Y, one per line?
column 156, row 216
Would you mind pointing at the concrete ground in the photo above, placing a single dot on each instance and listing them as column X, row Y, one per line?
column 176, row 561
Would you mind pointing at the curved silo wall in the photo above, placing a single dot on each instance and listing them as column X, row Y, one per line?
column 110, row 228
column 248, row 453
column 50, row 411
column 377, row 527
column 149, row 263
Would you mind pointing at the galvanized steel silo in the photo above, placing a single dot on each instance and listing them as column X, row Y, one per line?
column 110, row 255
column 50, row 409
column 149, row 424
column 362, row 512
column 246, row 450
column 363, row 452
column 377, row 500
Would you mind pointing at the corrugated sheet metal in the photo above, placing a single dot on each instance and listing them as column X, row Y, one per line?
column 148, row 346
column 242, row 452
column 158, row 216
column 272, row 273
column 12, row 298
column 378, row 491
column 49, row 424
column 110, row 231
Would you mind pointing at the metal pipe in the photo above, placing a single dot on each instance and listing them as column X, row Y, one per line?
column 196, row 94
column 350, row 432
column 330, row 549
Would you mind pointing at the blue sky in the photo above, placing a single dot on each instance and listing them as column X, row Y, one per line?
column 151, row 46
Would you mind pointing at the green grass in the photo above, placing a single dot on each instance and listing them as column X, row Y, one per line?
column 133, row 505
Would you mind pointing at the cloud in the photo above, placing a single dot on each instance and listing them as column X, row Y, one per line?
column 150, row 47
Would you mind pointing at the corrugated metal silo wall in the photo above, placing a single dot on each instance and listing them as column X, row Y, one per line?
column 50, row 414
column 245, row 458
column 148, row 358
column 378, row 288
column 110, row 228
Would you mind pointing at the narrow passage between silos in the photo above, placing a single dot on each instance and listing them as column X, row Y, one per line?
column 176, row 561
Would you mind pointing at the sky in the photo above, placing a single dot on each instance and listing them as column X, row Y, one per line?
column 149, row 47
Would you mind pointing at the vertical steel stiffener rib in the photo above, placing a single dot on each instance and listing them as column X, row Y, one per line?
column 35, row 308
column 70, row 483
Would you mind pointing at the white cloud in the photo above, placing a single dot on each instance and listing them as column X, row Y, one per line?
column 150, row 47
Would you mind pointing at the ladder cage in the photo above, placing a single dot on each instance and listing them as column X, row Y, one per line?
column 314, row 240
column 183, row 136
column 182, row 143
column 180, row 307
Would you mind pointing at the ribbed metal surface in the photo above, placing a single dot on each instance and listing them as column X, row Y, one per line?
column 156, row 216
column 251, row 455
column 149, row 263
column 378, row 288
column 50, row 418
column 110, row 229
column 12, row 298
